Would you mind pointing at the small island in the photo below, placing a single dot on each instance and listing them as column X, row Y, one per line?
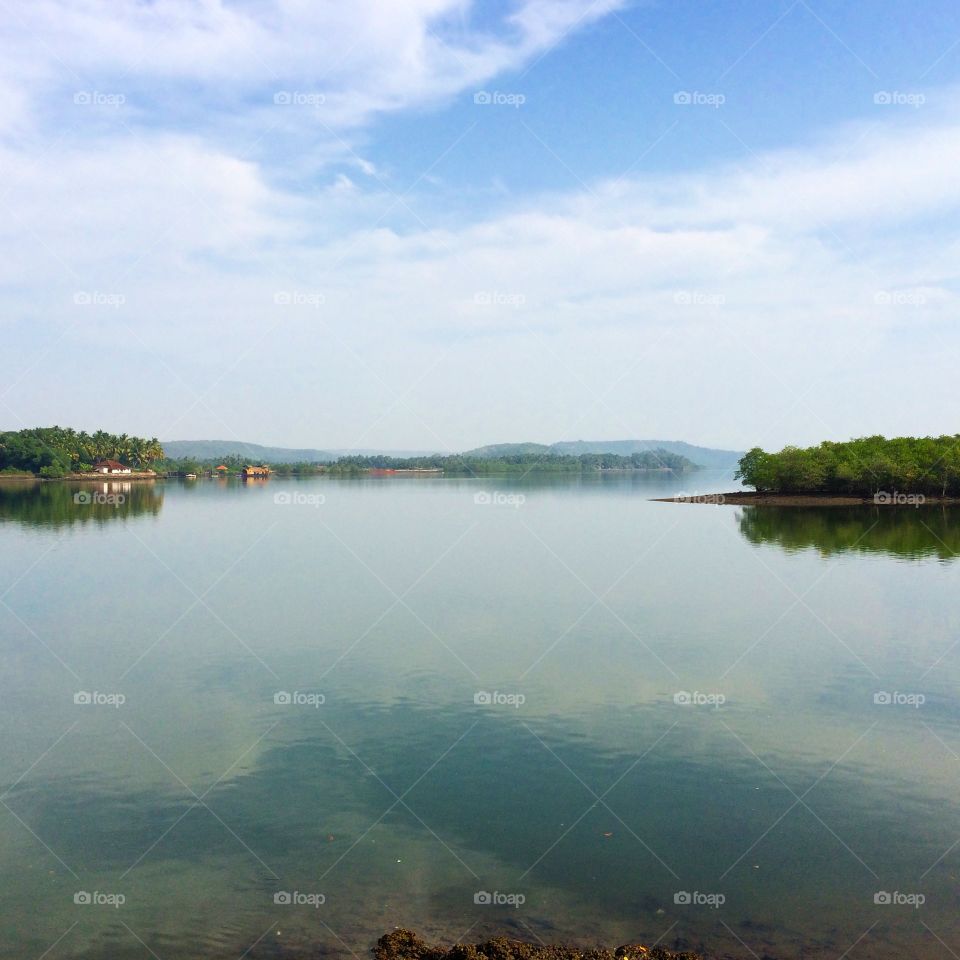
column 902, row 471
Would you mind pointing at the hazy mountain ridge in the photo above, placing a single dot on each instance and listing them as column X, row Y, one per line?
column 255, row 452
column 702, row 456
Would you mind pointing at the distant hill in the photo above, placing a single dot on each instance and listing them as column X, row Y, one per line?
column 702, row 456
column 214, row 449
column 495, row 450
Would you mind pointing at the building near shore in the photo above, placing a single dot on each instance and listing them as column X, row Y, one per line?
column 251, row 471
column 110, row 466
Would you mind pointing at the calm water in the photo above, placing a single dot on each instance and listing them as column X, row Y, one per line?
column 779, row 802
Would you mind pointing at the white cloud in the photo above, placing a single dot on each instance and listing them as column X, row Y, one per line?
column 653, row 305
column 217, row 67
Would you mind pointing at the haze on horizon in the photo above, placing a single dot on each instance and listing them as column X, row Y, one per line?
column 442, row 224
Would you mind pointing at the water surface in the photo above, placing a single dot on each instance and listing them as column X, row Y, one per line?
column 751, row 709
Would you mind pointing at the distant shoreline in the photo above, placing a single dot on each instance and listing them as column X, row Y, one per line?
column 748, row 498
column 77, row 477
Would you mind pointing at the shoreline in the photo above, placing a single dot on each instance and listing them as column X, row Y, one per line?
column 748, row 498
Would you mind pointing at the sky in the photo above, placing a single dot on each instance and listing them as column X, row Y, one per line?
column 434, row 224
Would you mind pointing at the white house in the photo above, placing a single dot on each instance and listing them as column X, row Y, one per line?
column 109, row 466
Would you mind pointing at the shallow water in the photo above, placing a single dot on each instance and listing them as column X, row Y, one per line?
column 780, row 802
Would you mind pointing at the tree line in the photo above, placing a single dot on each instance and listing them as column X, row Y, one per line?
column 57, row 451
column 517, row 463
column 862, row 467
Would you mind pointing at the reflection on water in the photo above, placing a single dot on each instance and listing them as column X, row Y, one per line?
column 609, row 805
column 63, row 504
column 901, row 532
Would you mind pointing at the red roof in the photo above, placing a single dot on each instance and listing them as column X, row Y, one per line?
column 112, row 464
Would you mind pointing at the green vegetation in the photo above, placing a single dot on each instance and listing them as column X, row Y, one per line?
column 467, row 465
column 52, row 452
column 928, row 531
column 863, row 467
column 56, row 451
column 234, row 464
column 75, row 504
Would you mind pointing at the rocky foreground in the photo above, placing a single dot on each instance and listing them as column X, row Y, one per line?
column 406, row 945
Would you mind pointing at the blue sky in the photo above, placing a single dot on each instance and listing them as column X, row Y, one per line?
column 293, row 223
